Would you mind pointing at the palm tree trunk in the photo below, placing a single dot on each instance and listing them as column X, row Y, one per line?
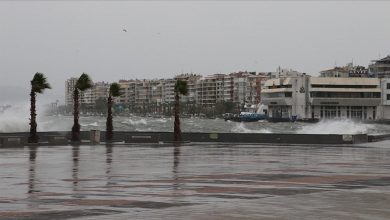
column 109, row 127
column 33, row 138
column 177, row 130
column 76, row 125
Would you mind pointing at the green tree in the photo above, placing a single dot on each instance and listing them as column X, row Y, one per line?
column 181, row 88
column 38, row 85
column 82, row 84
column 114, row 92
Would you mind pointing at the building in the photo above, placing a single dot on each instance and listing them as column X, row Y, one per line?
column 127, row 93
column 380, row 68
column 158, row 95
column 384, row 109
column 287, row 97
column 348, row 70
column 70, row 85
column 322, row 97
column 88, row 97
column 356, row 98
column 192, row 80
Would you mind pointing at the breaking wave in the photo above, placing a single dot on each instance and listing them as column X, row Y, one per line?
column 240, row 128
column 15, row 119
column 340, row 126
column 94, row 124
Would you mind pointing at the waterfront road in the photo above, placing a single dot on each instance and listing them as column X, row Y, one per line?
column 195, row 181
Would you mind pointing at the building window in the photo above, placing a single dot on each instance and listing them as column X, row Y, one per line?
column 388, row 96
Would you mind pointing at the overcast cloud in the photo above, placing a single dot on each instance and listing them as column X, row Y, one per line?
column 64, row 39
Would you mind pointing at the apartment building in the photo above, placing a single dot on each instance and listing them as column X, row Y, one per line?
column 70, row 85
column 380, row 68
column 87, row 97
column 127, row 92
column 243, row 88
column 348, row 70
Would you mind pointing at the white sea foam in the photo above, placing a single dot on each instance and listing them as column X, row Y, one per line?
column 240, row 128
column 141, row 121
column 341, row 126
column 161, row 120
column 94, row 124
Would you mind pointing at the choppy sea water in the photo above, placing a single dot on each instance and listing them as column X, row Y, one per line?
column 17, row 120
column 136, row 123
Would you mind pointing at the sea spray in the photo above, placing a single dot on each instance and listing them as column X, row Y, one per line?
column 340, row 126
column 241, row 128
column 15, row 119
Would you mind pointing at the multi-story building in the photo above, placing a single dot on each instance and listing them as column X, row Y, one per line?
column 211, row 90
column 384, row 108
column 287, row 97
column 356, row 98
column 87, row 97
column 322, row 97
column 168, row 91
column 192, row 80
column 127, row 93
column 242, row 88
column 70, row 85
column 348, row 70
column 380, row 68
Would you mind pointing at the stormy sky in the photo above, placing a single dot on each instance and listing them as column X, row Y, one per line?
column 114, row 40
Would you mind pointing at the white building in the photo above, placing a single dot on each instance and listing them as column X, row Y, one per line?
column 322, row 97
column 356, row 98
column 287, row 97
column 384, row 109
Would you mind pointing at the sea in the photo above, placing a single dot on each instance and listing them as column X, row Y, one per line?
column 16, row 119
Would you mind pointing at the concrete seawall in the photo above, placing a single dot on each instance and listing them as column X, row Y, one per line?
column 58, row 138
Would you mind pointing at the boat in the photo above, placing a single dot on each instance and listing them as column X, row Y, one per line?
column 245, row 117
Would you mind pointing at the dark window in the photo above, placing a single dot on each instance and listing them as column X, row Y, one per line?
column 346, row 86
column 346, row 94
column 288, row 94
column 388, row 96
column 388, row 85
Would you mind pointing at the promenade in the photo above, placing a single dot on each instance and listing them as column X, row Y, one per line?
column 196, row 181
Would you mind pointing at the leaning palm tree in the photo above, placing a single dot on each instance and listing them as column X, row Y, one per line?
column 38, row 85
column 181, row 88
column 114, row 92
column 82, row 84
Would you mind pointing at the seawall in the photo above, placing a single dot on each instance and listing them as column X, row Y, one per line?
column 63, row 137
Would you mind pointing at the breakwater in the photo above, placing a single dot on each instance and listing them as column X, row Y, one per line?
column 63, row 137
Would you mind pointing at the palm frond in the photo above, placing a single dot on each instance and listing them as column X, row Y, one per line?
column 84, row 82
column 114, row 89
column 39, row 83
column 181, row 87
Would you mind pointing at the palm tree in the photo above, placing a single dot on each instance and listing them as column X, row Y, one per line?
column 114, row 92
column 181, row 88
column 38, row 85
column 82, row 84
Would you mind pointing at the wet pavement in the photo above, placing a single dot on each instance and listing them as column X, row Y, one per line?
column 195, row 181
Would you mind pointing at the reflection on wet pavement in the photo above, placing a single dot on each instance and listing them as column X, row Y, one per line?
column 195, row 182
